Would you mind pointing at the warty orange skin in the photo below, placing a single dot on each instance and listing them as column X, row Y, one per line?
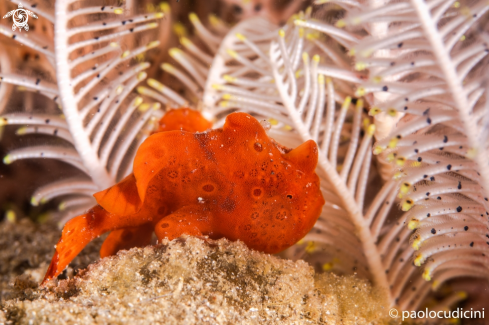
column 233, row 182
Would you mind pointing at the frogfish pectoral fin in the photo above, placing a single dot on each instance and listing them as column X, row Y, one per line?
column 77, row 233
column 52, row 269
column 190, row 220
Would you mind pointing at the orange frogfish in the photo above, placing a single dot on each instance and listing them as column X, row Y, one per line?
column 233, row 182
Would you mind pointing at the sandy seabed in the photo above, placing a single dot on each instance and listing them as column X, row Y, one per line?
column 185, row 281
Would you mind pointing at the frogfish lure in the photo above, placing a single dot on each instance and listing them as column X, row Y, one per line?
column 233, row 182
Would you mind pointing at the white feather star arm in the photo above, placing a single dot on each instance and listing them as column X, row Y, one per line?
column 440, row 145
column 242, row 54
column 269, row 72
column 302, row 88
column 80, row 92
column 352, row 225
column 193, row 66
column 307, row 100
column 102, row 118
column 310, row 102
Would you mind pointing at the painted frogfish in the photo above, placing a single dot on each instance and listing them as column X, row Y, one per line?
column 233, row 182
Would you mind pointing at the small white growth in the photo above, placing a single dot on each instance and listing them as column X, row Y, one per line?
column 266, row 124
column 201, row 200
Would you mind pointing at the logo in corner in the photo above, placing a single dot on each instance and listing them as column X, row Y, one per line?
column 20, row 17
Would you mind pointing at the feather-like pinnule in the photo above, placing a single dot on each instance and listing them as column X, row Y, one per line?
column 95, row 74
column 427, row 70
column 316, row 102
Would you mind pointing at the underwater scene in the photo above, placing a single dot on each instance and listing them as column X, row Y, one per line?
column 244, row 162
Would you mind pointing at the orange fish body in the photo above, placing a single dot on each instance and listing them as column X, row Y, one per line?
column 185, row 119
column 233, row 182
